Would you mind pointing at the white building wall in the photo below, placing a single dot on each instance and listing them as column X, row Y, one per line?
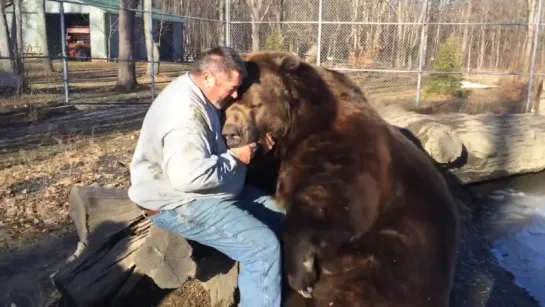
column 31, row 36
column 97, row 24
column 99, row 27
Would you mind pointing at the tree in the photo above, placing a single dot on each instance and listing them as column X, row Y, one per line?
column 447, row 63
column 532, row 12
column 5, row 48
column 151, row 43
column 19, row 46
column 258, row 11
column 19, row 37
column 42, row 28
column 126, row 73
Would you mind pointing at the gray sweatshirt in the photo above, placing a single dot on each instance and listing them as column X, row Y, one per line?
column 180, row 155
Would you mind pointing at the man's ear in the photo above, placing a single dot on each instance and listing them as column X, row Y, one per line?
column 208, row 78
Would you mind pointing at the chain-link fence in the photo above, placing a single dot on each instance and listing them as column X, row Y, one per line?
column 106, row 52
column 455, row 55
column 445, row 55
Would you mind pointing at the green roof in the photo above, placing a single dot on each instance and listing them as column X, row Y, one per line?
column 112, row 7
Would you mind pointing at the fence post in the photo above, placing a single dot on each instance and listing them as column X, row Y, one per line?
column 64, row 56
column 228, row 23
column 319, row 42
column 533, row 57
column 421, row 55
column 150, row 16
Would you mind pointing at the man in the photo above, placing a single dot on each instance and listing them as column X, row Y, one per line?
column 188, row 182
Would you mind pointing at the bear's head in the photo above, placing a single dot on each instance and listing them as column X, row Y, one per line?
column 288, row 99
column 238, row 126
column 275, row 98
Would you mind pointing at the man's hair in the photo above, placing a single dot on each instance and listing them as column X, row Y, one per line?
column 219, row 59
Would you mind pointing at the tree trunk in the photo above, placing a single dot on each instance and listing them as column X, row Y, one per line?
column 126, row 73
column 255, row 36
column 532, row 11
column 153, row 62
column 117, row 245
column 19, row 46
column 8, row 65
column 42, row 28
column 498, row 43
column 257, row 14
column 466, row 29
column 437, row 37
column 220, row 4
column 355, row 32
column 255, row 6
column 400, row 46
column 482, row 45
column 477, row 147
column 378, row 29
column 19, row 36
column 469, row 49
column 425, row 26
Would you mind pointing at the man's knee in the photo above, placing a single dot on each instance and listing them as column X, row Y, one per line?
column 250, row 192
column 256, row 195
column 269, row 244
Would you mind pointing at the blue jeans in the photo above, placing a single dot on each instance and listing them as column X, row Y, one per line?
column 245, row 229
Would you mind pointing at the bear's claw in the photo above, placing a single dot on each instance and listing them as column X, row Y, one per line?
column 307, row 293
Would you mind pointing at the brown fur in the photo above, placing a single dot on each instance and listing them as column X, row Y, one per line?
column 364, row 205
column 238, row 128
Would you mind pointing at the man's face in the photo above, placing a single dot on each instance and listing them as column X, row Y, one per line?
column 221, row 89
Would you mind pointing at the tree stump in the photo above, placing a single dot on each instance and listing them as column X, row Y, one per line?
column 118, row 246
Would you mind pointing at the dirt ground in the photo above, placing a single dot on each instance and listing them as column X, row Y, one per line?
column 89, row 82
column 35, row 183
column 36, row 233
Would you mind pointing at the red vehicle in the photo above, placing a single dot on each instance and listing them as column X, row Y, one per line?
column 78, row 42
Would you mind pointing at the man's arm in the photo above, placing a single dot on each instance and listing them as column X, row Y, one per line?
column 189, row 163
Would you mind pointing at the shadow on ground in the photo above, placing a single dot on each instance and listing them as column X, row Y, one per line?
column 25, row 275
column 63, row 128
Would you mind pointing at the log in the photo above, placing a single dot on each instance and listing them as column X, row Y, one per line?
column 479, row 147
column 117, row 246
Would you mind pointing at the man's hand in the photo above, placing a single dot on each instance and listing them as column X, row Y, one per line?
column 245, row 153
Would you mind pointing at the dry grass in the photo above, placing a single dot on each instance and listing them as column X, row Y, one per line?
column 190, row 294
column 35, row 184
column 400, row 89
column 508, row 97
column 90, row 82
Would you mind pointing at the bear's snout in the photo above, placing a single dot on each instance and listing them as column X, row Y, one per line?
column 231, row 135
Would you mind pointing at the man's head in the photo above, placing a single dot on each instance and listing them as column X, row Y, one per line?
column 219, row 71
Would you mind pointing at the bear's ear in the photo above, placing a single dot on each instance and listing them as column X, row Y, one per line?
column 290, row 63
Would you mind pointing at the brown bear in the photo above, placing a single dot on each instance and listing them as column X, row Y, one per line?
column 370, row 221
